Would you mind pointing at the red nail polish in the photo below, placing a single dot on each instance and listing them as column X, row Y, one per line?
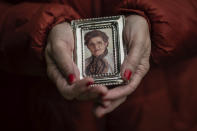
column 127, row 74
column 71, row 78
column 89, row 83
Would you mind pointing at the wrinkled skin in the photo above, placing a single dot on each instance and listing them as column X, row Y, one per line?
column 60, row 65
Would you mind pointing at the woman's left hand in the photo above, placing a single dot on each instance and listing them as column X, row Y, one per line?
column 135, row 66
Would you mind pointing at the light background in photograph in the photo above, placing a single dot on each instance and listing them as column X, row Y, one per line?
column 108, row 32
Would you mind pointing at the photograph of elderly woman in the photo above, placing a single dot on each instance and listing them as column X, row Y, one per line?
column 99, row 58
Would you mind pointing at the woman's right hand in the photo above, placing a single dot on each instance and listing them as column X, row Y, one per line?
column 63, row 71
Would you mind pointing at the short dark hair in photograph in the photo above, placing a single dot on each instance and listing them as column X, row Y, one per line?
column 95, row 33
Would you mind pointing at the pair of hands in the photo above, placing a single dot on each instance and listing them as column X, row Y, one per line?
column 65, row 74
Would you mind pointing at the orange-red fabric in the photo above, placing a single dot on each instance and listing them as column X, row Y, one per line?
column 169, row 28
column 24, row 28
column 165, row 99
column 173, row 27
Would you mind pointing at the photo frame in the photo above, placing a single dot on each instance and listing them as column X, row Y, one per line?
column 99, row 50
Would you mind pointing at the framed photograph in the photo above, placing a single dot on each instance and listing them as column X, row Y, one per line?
column 99, row 50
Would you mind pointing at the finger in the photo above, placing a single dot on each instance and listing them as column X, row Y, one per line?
column 58, row 79
column 62, row 45
column 68, row 91
column 138, row 42
column 65, row 63
column 105, row 104
column 122, row 91
column 99, row 89
column 82, row 86
column 131, row 62
column 100, row 111
column 93, row 93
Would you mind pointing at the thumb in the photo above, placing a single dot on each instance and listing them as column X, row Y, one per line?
column 64, row 61
column 131, row 62
column 137, row 37
column 61, row 42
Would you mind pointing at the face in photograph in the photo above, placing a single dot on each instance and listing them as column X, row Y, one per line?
column 97, row 46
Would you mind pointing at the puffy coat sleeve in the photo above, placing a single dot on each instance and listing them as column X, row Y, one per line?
column 173, row 25
column 23, row 33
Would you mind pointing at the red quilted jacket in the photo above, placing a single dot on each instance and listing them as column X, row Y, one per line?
column 165, row 99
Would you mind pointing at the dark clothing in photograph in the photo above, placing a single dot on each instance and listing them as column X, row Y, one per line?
column 99, row 65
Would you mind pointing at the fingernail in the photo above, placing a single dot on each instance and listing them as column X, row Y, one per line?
column 89, row 83
column 127, row 74
column 71, row 78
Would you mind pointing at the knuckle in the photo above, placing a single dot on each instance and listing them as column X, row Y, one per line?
column 132, row 63
column 129, row 86
column 148, row 66
column 132, row 87
column 141, row 42
column 146, row 45
column 66, row 94
column 143, row 68
column 62, row 89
